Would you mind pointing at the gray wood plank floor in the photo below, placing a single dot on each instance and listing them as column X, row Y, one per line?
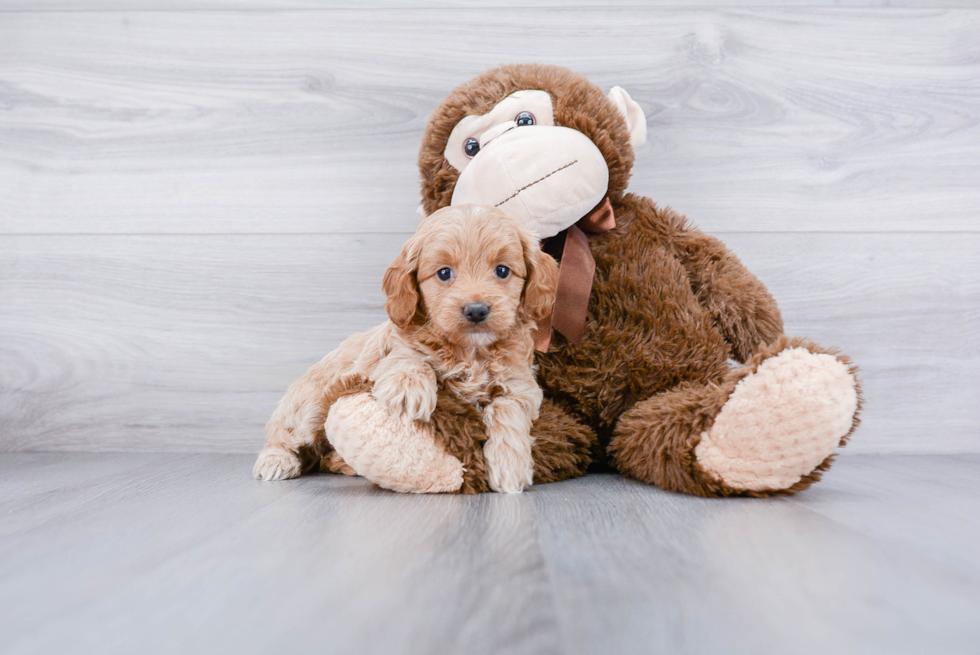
column 166, row 553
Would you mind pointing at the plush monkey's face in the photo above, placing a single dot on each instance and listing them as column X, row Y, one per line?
column 519, row 156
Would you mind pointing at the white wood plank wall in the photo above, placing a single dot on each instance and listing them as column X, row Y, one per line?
column 197, row 205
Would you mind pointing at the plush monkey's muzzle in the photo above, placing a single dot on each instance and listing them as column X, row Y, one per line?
column 544, row 176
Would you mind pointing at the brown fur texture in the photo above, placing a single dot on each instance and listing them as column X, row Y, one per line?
column 669, row 307
column 655, row 439
column 561, row 447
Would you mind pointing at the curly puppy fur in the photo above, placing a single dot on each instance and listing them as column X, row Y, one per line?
column 460, row 256
column 669, row 307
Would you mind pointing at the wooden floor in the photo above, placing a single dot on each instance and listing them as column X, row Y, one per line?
column 186, row 553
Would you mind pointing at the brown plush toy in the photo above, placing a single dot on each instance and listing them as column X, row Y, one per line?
column 650, row 310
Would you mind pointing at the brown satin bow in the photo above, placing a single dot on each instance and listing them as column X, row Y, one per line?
column 574, row 278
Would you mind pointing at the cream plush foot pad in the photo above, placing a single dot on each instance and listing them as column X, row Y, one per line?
column 781, row 422
column 396, row 455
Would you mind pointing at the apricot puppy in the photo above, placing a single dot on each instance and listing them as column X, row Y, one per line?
column 463, row 297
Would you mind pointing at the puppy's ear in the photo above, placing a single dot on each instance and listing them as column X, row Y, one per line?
column 541, row 282
column 401, row 286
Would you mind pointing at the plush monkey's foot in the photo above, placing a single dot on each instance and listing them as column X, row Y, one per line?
column 394, row 454
column 781, row 422
column 277, row 464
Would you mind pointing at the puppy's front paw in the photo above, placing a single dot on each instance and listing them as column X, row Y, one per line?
column 277, row 464
column 407, row 394
column 510, row 469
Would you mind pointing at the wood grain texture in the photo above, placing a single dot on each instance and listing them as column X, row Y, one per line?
column 192, row 537
column 264, row 5
column 154, row 343
column 196, row 205
column 641, row 571
column 295, row 121
column 118, row 553
column 142, row 339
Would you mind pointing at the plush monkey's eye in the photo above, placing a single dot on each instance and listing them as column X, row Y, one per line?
column 524, row 118
column 502, row 272
column 471, row 147
column 445, row 274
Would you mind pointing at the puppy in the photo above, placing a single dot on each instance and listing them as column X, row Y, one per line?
column 463, row 297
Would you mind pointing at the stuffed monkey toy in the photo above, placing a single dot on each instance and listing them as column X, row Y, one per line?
column 635, row 361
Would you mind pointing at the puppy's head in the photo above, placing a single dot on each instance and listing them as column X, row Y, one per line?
column 472, row 275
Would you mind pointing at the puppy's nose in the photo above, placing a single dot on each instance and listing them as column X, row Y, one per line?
column 476, row 312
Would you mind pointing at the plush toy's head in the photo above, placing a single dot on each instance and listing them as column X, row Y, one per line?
column 542, row 143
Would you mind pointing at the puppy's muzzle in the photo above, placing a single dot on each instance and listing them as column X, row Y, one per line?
column 476, row 312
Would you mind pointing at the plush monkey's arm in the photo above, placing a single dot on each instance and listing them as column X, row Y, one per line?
column 740, row 304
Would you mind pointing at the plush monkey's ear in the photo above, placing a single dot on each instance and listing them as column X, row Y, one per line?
column 401, row 286
column 541, row 282
column 636, row 121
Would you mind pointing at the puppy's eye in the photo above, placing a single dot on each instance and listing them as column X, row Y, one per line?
column 524, row 118
column 503, row 272
column 471, row 147
column 445, row 274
